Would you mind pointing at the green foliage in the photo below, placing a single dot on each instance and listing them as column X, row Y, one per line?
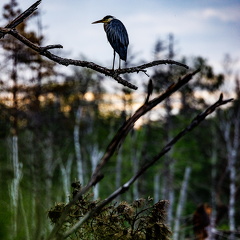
column 140, row 220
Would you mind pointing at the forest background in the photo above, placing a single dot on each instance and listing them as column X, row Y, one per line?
column 55, row 124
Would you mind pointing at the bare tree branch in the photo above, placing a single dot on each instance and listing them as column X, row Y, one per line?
column 149, row 90
column 194, row 123
column 128, row 125
column 150, row 64
column 115, row 74
column 15, row 22
column 117, row 140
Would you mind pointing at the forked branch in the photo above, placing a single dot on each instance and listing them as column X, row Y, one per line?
column 117, row 140
column 194, row 123
column 44, row 51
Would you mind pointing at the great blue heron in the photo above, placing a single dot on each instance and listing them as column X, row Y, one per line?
column 117, row 36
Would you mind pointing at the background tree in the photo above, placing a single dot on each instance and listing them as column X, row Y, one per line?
column 47, row 144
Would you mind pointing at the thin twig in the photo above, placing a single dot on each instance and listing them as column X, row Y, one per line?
column 150, row 64
column 149, row 90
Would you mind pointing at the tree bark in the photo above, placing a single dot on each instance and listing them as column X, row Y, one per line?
column 181, row 203
column 78, row 146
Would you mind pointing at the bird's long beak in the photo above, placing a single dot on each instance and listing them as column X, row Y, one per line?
column 99, row 21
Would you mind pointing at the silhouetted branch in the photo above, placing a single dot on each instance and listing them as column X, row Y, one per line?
column 15, row 22
column 51, row 47
column 118, row 139
column 142, row 67
column 149, row 90
column 129, row 124
column 194, row 123
column 115, row 74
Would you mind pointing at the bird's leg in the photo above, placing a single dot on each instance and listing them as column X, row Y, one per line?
column 114, row 54
column 119, row 62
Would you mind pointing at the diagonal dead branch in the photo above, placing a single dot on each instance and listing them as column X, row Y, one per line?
column 118, row 139
column 194, row 123
column 129, row 124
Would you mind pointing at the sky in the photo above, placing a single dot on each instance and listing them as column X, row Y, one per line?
column 207, row 28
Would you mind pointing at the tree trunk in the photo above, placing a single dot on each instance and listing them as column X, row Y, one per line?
column 135, row 164
column 214, row 199
column 118, row 171
column 17, row 175
column 181, row 203
column 78, row 146
column 66, row 176
column 156, row 187
column 95, row 156
column 232, row 145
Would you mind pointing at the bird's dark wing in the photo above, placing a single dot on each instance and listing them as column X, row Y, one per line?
column 118, row 37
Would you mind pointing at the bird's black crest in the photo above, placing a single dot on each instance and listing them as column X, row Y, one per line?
column 107, row 17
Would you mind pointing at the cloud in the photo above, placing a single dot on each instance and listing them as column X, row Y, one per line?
column 225, row 14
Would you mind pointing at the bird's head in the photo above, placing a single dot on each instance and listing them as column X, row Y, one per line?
column 106, row 19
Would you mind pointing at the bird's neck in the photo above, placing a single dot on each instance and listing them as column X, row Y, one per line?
column 105, row 26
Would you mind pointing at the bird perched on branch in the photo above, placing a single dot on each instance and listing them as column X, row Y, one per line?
column 117, row 36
